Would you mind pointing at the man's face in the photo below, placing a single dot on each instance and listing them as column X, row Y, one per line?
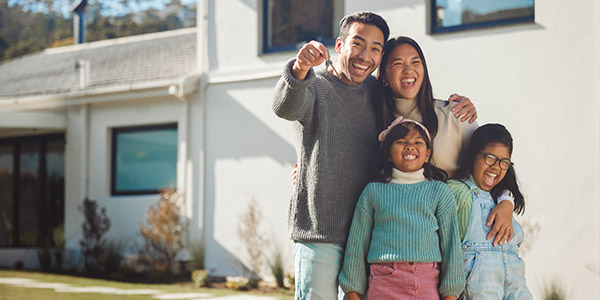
column 360, row 53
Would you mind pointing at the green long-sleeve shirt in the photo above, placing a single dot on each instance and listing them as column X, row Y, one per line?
column 404, row 223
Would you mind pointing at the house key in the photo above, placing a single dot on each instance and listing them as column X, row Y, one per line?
column 329, row 63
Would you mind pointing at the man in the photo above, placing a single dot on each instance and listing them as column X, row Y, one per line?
column 336, row 143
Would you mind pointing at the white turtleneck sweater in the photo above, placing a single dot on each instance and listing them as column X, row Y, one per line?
column 452, row 134
column 401, row 177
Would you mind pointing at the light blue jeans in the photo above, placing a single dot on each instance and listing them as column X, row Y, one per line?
column 317, row 266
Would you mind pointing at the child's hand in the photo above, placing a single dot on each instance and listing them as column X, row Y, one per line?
column 354, row 296
column 501, row 217
column 450, row 297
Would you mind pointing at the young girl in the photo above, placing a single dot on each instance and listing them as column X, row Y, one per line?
column 486, row 170
column 404, row 232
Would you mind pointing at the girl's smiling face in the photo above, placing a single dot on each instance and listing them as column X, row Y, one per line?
column 408, row 154
column 486, row 177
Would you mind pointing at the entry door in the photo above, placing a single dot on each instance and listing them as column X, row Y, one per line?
column 32, row 191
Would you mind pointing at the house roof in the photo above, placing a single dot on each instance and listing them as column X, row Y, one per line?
column 154, row 57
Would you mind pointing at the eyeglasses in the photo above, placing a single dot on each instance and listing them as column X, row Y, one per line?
column 491, row 159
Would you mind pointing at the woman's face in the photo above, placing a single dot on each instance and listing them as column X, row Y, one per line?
column 404, row 71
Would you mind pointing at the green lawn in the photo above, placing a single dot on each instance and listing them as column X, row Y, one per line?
column 10, row 292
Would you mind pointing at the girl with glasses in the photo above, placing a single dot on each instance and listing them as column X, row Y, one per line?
column 493, row 272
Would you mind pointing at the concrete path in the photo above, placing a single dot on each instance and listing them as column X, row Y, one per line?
column 66, row 288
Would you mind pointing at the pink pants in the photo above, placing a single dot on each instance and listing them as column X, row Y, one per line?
column 404, row 281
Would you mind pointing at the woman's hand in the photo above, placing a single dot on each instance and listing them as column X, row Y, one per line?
column 464, row 108
column 354, row 296
column 501, row 217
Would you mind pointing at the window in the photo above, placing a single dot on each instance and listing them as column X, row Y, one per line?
column 144, row 159
column 457, row 15
column 288, row 23
column 32, row 185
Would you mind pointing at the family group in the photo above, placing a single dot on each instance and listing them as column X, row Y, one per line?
column 398, row 195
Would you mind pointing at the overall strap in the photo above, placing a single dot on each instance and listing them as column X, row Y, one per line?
column 471, row 184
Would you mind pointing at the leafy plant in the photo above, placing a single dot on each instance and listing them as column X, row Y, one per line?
column 94, row 226
column 166, row 231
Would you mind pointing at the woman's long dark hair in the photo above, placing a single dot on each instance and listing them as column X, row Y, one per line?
column 398, row 132
column 484, row 135
column 385, row 101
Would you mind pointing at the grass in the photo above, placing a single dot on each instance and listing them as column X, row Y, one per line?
column 10, row 292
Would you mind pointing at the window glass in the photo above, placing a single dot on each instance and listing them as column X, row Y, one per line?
column 55, row 192
column 29, row 218
column 456, row 15
column 289, row 23
column 6, row 196
column 144, row 159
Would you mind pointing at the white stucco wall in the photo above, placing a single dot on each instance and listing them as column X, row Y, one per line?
column 90, row 126
column 541, row 80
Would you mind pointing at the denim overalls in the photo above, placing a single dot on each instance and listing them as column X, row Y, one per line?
column 492, row 272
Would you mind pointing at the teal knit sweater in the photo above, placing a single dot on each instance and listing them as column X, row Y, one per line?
column 404, row 223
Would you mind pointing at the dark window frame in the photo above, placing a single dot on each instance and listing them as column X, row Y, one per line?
column 45, row 217
column 434, row 29
column 113, row 177
column 265, row 49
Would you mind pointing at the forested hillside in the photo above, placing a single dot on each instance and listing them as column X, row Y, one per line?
column 29, row 26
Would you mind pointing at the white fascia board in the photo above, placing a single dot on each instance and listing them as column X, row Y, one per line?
column 88, row 96
column 33, row 120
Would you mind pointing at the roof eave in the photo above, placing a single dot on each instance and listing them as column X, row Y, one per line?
column 183, row 87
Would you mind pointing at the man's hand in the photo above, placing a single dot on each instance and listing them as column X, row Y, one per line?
column 310, row 55
column 501, row 217
column 464, row 108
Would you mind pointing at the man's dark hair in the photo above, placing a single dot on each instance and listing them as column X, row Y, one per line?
column 364, row 17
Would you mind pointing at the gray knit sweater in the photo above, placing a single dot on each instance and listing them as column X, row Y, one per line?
column 337, row 148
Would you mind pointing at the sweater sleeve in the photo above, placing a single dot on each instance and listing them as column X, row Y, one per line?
column 353, row 277
column 464, row 203
column 452, row 277
column 292, row 100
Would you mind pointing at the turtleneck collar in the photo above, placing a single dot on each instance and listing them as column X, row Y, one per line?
column 400, row 177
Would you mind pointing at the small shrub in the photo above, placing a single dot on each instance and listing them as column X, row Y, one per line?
column 113, row 256
column 18, row 265
column 291, row 279
column 199, row 277
column 166, row 231
column 94, row 226
column 554, row 291
column 253, row 240
column 240, row 283
column 276, row 266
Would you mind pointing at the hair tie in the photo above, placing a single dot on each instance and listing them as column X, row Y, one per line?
column 398, row 121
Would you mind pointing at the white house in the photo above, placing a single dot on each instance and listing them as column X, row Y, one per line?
column 200, row 99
